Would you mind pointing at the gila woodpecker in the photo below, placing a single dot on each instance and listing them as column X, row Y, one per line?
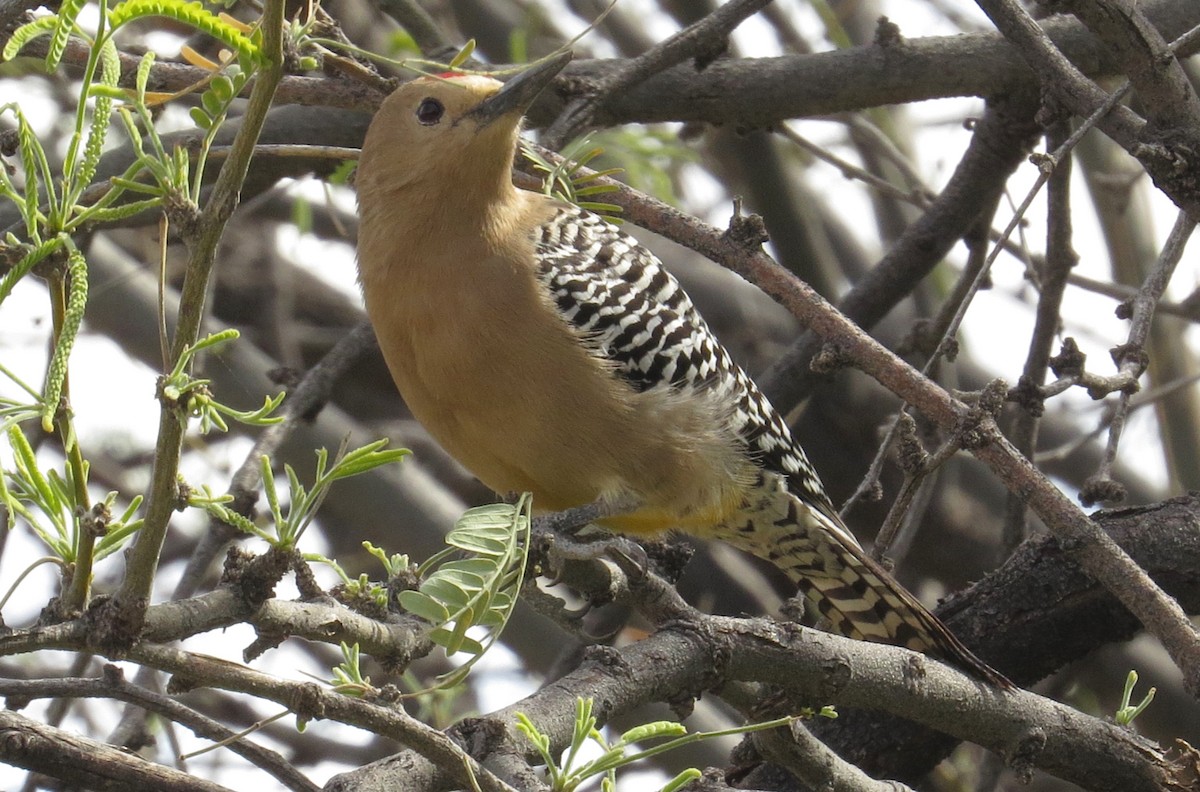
column 551, row 353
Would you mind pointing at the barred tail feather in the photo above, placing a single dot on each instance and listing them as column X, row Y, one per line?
column 864, row 601
column 853, row 592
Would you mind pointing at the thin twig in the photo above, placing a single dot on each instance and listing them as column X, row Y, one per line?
column 1057, row 72
column 308, row 700
column 913, row 481
column 1083, row 97
column 918, row 196
column 1165, row 95
column 1047, row 164
column 1131, row 356
column 861, row 127
column 1137, row 401
column 702, row 39
column 302, row 404
column 1060, row 258
column 1121, row 292
column 1000, row 141
column 960, row 299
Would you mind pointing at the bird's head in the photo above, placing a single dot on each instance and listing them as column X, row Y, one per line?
column 449, row 130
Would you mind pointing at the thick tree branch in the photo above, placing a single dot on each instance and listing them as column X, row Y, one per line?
column 90, row 764
column 1037, row 613
column 114, row 686
column 1165, row 95
column 815, row 668
column 762, row 91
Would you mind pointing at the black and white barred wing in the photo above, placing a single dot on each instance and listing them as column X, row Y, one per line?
column 632, row 312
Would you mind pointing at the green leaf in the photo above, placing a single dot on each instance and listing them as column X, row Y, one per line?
column 596, row 189
column 68, row 12
column 651, row 731
column 600, row 174
column 27, row 467
column 28, row 32
column 682, row 780
column 447, row 592
column 222, row 88
column 122, row 212
column 485, row 530
column 366, row 458
column 200, row 118
column 27, row 263
column 463, row 55
column 468, row 569
column 477, row 541
column 423, row 605
column 457, row 638
column 456, row 642
column 190, row 13
column 604, row 209
column 212, row 104
column 479, row 591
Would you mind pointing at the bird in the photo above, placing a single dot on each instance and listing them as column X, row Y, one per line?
column 551, row 353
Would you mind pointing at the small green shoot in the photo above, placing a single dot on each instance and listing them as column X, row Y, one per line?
column 214, row 505
column 568, row 774
column 1126, row 713
column 14, row 412
column 47, row 502
column 348, row 678
column 393, row 564
column 363, row 587
column 290, row 523
column 192, row 397
column 564, row 181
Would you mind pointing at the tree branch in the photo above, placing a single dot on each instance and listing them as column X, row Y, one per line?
column 90, row 764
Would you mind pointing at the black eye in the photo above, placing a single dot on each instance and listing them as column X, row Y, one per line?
column 430, row 111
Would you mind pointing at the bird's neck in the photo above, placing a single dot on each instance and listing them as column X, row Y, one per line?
column 421, row 233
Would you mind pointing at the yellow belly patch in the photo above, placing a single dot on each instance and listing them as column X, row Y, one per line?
column 656, row 521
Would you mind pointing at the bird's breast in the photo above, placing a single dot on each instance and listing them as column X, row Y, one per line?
column 503, row 383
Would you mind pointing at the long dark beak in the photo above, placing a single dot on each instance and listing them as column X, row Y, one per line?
column 519, row 92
